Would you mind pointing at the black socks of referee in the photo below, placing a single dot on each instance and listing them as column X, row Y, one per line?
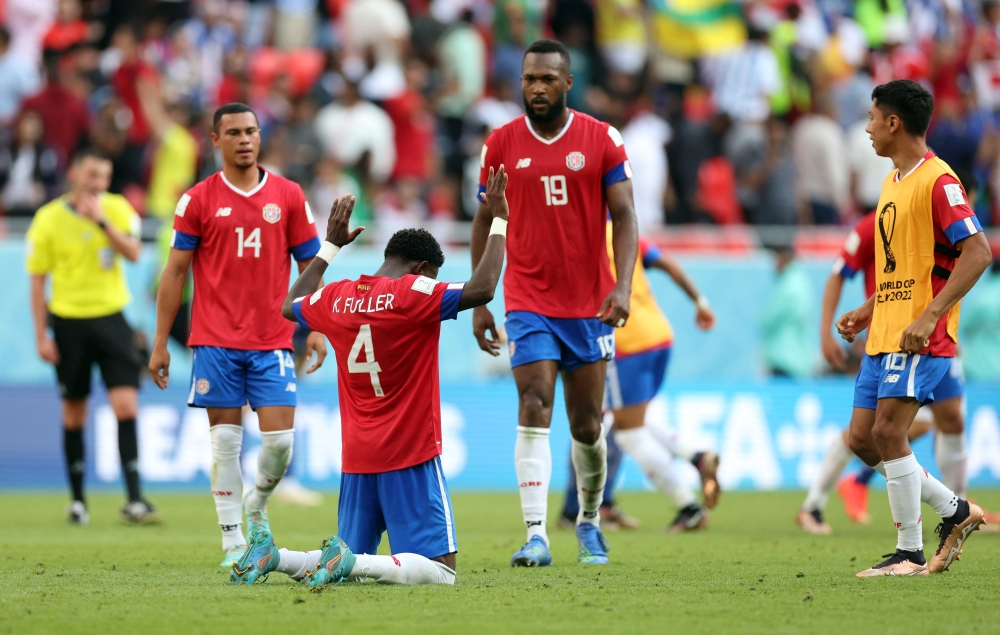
column 75, row 467
column 128, row 450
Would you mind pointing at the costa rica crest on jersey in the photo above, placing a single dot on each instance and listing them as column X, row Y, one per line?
column 272, row 213
column 575, row 161
column 202, row 386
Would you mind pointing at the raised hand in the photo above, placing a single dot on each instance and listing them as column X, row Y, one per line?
column 338, row 229
column 495, row 195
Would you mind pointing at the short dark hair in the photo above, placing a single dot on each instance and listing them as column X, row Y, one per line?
column 89, row 152
column 909, row 101
column 415, row 245
column 233, row 108
column 549, row 46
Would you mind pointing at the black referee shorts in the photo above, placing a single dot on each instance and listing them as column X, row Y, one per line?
column 106, row 341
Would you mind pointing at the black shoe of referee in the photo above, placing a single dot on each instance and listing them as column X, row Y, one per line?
column 140, row 513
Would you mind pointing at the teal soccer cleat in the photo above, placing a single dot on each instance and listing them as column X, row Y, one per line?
column 533, row 554
column 593, row 547
column 256, row 518
column 233, row 555
column 259, row 560
column 335, row 564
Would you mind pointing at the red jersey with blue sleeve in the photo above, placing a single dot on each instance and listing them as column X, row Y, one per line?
column 954, row 221
column 557, row 263
column 385, row 335
column 242, row 242
column 858, row 253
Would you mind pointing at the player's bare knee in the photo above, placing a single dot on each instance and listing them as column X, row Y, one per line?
column 74, row 414
column 535, row 408
column 948, row 417
column 585, row 429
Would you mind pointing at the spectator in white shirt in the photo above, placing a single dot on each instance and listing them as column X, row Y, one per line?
column 868, row 170
column 358, row 134
column 18, row 79
column 821, row 164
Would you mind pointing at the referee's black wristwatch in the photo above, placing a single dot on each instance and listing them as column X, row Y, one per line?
column 103, row 224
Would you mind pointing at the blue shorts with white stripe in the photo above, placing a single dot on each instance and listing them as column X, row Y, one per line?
column 899, row 375
column 412, row 504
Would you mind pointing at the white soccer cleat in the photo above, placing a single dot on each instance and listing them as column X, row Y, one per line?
column 78, row 513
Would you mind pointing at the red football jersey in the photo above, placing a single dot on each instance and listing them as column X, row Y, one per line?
column 385, row 335
column 858, row 253
column 242, row 242
column 557, row 259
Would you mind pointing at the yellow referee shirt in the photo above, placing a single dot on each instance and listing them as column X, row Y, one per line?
column 88, row 279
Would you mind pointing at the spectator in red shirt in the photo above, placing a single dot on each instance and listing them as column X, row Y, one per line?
column 414, row 125
column 126, row 40
column 65, row 118
column 69, row 29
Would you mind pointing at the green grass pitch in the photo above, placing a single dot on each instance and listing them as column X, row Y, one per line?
column 753, row 571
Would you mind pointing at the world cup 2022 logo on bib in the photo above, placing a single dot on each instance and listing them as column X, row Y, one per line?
column 575, row 161
column 272, row 213
column 887, row 227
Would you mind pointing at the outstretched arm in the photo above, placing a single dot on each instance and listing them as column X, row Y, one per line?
column 482, row 285
column 338, row 234
column 625, row 243
column 705, row 318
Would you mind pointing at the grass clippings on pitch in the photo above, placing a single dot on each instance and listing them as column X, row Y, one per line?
column 752, row 572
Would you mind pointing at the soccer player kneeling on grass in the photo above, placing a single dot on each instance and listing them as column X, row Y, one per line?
column 929, row 251
column 385, row 330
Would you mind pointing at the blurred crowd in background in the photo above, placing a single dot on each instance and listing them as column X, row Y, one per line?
column 732, row 112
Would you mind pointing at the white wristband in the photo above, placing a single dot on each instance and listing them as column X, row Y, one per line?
column 327, row 251
column 702, row 303
column 499, row 226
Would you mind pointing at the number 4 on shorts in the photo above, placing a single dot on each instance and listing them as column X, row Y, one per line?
column 364, row 339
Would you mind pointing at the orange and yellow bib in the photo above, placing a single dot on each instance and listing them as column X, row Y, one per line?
column 904, row 256
column 647, row 328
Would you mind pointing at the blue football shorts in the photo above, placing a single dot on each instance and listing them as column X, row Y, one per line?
column 635, row 379
column 412, row 504
column 572, row 342
column 229, row 378
column 900, row 375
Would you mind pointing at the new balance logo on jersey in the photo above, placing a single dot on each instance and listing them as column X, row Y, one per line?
column 891, row 378
column 224, row 211
column 290, row 387
column 522, row 163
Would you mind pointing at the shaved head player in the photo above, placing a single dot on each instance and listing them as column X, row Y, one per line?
column 567, row 171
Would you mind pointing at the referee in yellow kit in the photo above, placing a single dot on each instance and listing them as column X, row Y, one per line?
column 79, row 239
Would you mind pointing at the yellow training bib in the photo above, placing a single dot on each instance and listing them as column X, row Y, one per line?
column 647, row 328
column 904, row 256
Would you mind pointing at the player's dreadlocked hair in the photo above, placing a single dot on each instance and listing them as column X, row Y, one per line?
column 233, row 108
column 415, row 245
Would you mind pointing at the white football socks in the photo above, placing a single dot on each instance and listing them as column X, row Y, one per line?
column 836, row 459
column 294, row 564
column 671, row 441
column 903, row 484
column 227, row 482
column 656, row 462
column 275, row 455
column 952, row 460
column 533, row 463
column 933, row 492
column 400, row 568
column 591, row 465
